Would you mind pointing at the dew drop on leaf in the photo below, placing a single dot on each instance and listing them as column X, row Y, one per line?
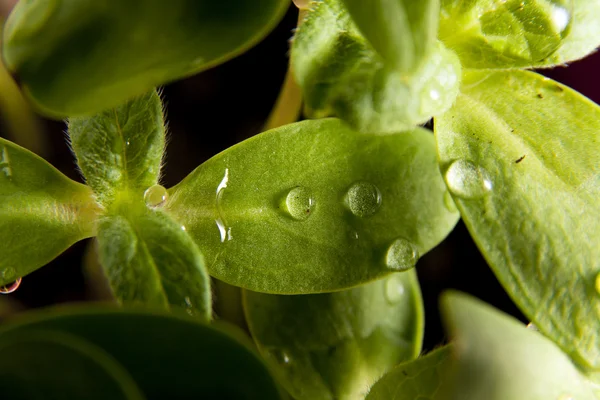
column 299, row 203
column 394, row 289
column 155, row 196
column 531, row 326
column 280, row 356
column 402, row 255
column 560, row 17
column 363, row 199
column 11, row 287
column 466, row 180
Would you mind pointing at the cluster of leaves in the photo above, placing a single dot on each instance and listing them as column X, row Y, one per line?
column 320, row 221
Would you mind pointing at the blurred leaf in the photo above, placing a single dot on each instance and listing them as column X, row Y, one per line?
column 497, row 358
column 341, row 75
column 314, row 206
column 418, row 379
column 56, row 365
column 169, row 357
column 520, row 156
column 82, row 57
column 150, row 259
column 121, row 149
column 505, row 33
column 336, row 345
column 401, row 31
column 42, row 212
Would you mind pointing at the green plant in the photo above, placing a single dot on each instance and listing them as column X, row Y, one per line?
column 321, row 221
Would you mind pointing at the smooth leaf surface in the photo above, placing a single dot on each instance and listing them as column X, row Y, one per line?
column 418, row 379
column 82, row 57
column 121, row 149
column 336, row 345
column 341, row 75
column 42, row 212
column 315, row 206
column 149, row 259
column 495, row 357
column 506, row 34
column 520, row 155
column 169, row 357
column 401, row 31
column 56, row 365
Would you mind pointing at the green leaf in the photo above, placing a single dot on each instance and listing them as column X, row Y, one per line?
column 505, row 34
column 401, row 31
column 497, row 358
column 150, row 259
column 336, row 345
column 341, row 75
column 82, row 57
column 85, row 371
column 169, row 357
column 520, row 156
column 315, row 206
column 42, row 212
column 418, row 379
column 121, row 149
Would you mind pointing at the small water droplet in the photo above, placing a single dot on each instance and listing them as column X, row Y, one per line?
column 466, row 180
column 532, row 327
column 394, row 289
column 183, row 228
column 299, row 203
column 560, row 17
column 449, row 202
column 280, row 356
column 363, row 199
column 402, row 255
column 11, row 287
column 155, row 196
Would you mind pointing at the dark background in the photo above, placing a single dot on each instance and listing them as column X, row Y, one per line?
column 215, row 109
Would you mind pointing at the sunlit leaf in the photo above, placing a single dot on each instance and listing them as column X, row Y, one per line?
column 520, row 156
column 495, row 357
column 336, row 345
column 169, row 357
column 42, row 212
column 149, row 259
column 341, row 75
column 81, row 57
column 315, row 206
column 418, row 379
column 57, row 365
column 121, row 149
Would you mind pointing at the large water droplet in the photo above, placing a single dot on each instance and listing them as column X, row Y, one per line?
column 402, row 255
column 394, row 289
column 449, row 202
column 466, row 180
column 11, row 287
column 363, row 199
column 300, row 203
column 155, row 196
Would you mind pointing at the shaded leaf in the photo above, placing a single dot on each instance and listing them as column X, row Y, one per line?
column 520, row 155
column 121, row 149
column 150, row 259
column 169, row 357
column 341, row 75
column 505, row 34
column 495, row 357
column 335, row 345
column 418, row 379
column 42, row 212
column 314, row 206
column 85, row 372
column 82, row 57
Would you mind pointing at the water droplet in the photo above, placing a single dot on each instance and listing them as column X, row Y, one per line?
column 466, row 180
column 363, row 199
column 299, row 203
column 11, row 287
column 394, row 289
column 280, row 356
column 8, row 273
column 220, row 221
column 449, row 202
column 402, row 255
column 155, row 196
column 183, row 228
column 560, row 17
column 532, row 327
